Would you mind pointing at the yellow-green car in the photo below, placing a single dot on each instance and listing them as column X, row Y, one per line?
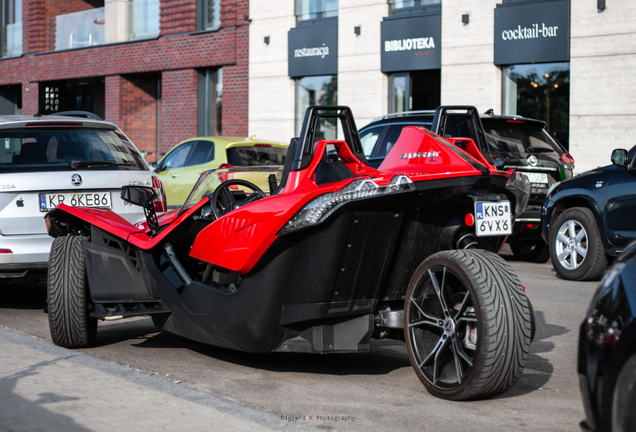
column 181, row 167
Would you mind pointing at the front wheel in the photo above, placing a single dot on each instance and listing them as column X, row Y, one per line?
column 467, row 324
column 576, row 248
column 68, row 297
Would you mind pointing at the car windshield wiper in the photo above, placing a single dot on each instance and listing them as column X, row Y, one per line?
column 78, row 164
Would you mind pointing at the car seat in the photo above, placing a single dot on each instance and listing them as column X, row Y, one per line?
column 71, row 150
column 31, row 153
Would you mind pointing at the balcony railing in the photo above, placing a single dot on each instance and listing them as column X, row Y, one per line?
column 143, row 18
column 79, row 29
column 12, row 40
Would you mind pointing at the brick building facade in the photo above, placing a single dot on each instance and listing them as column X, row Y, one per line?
column 150, row 86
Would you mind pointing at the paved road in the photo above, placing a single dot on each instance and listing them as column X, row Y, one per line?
column 379, row 390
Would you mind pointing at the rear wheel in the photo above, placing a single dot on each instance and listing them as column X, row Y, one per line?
column 467, row 324
column 536, row 251
column 68, row 297
column 576, row 248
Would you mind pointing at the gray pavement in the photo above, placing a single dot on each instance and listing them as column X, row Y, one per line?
column 48, row 388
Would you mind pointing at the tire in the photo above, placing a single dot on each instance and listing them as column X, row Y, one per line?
column 536, row 251
column 489, row 305
column 68, row 296
column 623, row 414
column 576, row 248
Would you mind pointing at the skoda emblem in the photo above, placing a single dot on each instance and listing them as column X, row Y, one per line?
column 76, row 180
column 532, row 160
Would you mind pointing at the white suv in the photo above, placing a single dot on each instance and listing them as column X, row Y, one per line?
column 48, row 160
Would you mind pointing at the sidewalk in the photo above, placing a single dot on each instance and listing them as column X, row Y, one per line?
column 47, row 388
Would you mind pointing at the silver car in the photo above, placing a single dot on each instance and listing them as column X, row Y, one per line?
column 48, row 160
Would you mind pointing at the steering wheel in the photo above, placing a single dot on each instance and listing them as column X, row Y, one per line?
column 223, row 201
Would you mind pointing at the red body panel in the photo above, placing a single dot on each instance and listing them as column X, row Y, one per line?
column 116, row 225
column 421, row 157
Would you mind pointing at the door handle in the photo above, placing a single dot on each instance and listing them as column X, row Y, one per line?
column 175, row 175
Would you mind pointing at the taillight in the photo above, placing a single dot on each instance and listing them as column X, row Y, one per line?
column 262, row 145
column 160, row 203
column 5, row 251
column 566, row 158
column 532, row 225
column 225, row 166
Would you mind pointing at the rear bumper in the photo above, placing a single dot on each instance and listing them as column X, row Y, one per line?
column 528, row 225
column 29, row 255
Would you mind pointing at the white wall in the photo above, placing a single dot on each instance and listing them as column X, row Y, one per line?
column 361, row 85
column 469, row 76
column 271, row 91
column 602, row 81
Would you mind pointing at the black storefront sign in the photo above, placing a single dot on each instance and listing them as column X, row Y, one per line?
column 532, row 32
column 411, row 43
column 313, row 50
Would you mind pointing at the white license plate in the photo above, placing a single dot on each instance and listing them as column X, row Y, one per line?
column 537, row 177
column 49, row 201
column 493, row 218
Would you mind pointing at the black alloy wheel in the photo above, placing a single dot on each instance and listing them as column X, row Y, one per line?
column 68, row 296
column 467, row 324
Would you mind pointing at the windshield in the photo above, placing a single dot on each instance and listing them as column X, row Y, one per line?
column 210, row 180
column 60, row 149
column 520, row 137
column 256, row 155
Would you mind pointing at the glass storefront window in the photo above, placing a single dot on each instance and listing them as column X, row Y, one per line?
column 143, row 18
column 210, row 102
column 410, row 6
column 79, row 29
column 399, row 91
column 11, row 28
column 208, row 14
column 415, row 90
column 317, row 90
column 316, row 9
column 540, row 91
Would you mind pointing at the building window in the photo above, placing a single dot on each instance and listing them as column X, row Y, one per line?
column 317, row 90
column 79, row 29
column 11, row 31
column 399, row 7
column 143, row 18
column 415, row 90
column 210, row 98
column 540, row 91
column 86, row 94
column 315, row 9
column 208, row 14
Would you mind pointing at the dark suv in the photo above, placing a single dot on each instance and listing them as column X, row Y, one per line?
column 514, row 142
column 589, row 220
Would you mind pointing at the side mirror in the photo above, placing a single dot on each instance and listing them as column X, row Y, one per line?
column 143, row 196
column 138, row 195
column 619, row 157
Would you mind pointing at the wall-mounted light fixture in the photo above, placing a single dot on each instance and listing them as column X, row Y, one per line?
column 465, row 19
column 266, row 40
column 357, row 30
column 600, row 5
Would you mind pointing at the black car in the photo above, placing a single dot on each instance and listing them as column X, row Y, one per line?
column 607, row 350
column 514, row 142
column 588, row 220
